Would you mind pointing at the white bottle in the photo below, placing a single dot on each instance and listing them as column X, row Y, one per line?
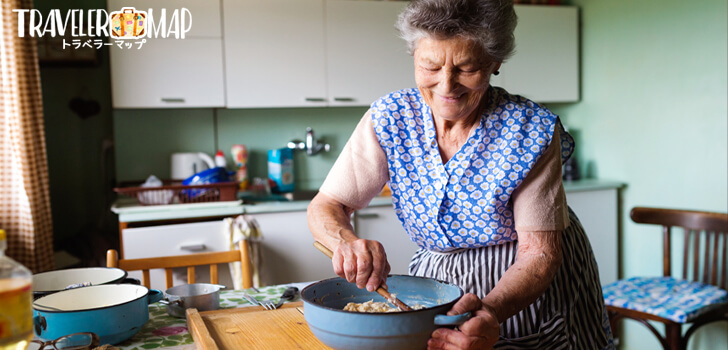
column 16, row 298
column 220, row 160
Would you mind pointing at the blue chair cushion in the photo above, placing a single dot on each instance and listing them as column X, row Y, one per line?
column 674, row 299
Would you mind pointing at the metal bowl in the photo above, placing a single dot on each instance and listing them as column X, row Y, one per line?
column 201, row 296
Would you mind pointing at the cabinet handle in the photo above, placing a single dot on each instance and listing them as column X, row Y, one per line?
column 315, row 99
column 173, row 99
column 367, row 216
column 344, row 99
column 193, row 247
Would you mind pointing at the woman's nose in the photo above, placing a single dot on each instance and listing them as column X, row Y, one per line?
column 449, row 79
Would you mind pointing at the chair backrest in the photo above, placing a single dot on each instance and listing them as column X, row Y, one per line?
column 189, row 261
column 705, row 250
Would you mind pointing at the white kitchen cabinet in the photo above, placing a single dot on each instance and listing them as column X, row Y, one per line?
column 274, row 53
column 598, row 210
column 179, row 239
column 545, row 66
column 365, row 58
column 381, row 224
column 169, row 72
column 205, row 14
column 312, row 53
column 287, row 250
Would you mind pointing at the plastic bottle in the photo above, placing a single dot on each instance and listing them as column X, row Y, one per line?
column 240, row 157
column 220, row 160
column 16, row 298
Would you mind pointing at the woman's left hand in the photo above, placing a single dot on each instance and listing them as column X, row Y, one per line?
column 479, row 332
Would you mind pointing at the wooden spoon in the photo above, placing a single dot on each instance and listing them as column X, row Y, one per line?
column 383, row 292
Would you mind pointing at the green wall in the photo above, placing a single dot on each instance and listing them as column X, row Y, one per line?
column 81, row 170
column 146, row 138
column 653, row 114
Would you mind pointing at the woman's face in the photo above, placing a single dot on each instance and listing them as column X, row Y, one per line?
column 452, row 76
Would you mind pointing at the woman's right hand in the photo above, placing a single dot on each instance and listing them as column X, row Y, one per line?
column 363, row 262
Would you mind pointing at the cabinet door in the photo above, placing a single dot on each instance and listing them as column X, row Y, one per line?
column 274, row 53
column 381, row 224
column 545, row 66
column 181, row 239
column 597, row 211
column 288, row 252
column 205, row 15
column 365, row 57
column 168, row 73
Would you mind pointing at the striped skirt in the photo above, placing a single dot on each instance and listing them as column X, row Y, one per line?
column 569, row 315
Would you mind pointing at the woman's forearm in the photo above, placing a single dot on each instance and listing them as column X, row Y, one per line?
column 539, row 258
column 330, row 221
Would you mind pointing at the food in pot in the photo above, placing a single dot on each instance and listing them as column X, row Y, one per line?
column 376, row 306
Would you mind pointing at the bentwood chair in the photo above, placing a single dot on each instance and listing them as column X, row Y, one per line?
column 190, row 261
column 698, row 298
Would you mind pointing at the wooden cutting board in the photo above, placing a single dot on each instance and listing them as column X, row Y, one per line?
column 252, row 328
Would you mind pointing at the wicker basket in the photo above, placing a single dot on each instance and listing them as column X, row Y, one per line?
column 172, row 192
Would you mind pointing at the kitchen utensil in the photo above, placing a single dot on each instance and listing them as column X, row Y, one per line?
column 267, row 304
column 201, row 296
column 288, row 295
column 115, row 312
column 250, row 299
column 53, row 281
column 383, row 292
column 323, row 304
column 184, row 165
column 252, row 328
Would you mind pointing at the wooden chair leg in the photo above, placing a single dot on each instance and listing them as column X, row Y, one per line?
column 673, row 336
column 613, row 323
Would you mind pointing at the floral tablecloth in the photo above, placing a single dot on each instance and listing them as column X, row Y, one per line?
column 165, row 331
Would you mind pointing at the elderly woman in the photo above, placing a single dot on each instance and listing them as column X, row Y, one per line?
column 475, row 175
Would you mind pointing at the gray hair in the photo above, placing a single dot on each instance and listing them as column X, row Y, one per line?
column 488, row 23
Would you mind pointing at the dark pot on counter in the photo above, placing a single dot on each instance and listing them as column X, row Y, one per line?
column 201, row 296
column 54, row 281
column 323, row 304
column 114, row 312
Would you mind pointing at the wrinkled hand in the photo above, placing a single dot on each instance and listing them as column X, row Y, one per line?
column 361, row 261
column 479, row 332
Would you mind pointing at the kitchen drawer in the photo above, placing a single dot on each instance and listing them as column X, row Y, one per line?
column 181, row 239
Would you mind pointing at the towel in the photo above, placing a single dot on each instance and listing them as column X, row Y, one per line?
column 244, row 227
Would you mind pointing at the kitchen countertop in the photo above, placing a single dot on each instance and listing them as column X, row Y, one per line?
column 130, row 211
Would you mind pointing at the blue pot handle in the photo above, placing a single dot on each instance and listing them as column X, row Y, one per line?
column 455, row 320
column 154, row 296
column 39, row 323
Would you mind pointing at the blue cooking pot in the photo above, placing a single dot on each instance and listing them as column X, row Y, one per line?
column 323, row 304
column 114, row 312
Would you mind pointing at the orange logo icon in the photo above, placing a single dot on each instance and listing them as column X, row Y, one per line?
column 128, row 23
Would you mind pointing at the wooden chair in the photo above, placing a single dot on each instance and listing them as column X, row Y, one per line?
column 189, row 261
column 704, row 278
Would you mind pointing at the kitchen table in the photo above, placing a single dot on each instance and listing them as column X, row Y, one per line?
column 163, row 331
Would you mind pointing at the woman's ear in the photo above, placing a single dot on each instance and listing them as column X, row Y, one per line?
column 496, row 67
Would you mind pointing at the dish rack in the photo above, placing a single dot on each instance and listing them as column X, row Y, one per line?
column 173, row 192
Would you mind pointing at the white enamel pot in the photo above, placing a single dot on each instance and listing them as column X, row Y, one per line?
column 54, row 281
